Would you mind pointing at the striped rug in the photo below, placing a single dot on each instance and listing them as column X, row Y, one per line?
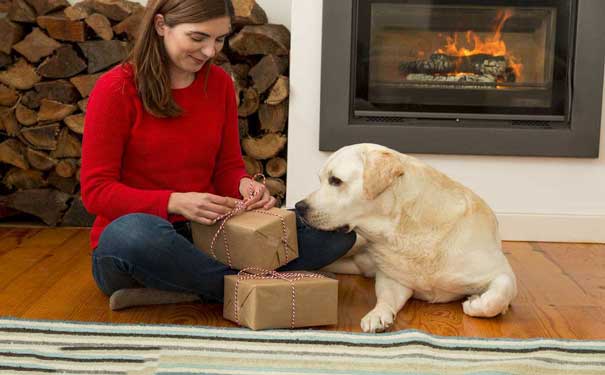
column 28, row 346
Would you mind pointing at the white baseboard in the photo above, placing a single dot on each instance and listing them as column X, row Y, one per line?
column 552, row 227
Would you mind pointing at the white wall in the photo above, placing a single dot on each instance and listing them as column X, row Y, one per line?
column 278, row 11
column 542, row 199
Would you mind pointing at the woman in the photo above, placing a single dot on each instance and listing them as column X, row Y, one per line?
column 160, row 148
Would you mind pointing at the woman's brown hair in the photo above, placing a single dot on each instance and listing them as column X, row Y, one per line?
column 149, row 58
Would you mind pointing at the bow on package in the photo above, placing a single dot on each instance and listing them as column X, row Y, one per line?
column 260, row 238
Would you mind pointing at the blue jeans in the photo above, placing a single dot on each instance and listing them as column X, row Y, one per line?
column 139, row 250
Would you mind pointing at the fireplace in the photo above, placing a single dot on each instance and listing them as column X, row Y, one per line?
column 496, row 77
column 422, row 60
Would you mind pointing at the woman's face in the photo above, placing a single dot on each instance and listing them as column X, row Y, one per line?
column 190, row 45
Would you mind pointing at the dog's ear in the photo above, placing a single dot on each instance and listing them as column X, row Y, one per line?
column 381, row 168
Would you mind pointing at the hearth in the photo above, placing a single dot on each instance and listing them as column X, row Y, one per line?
column 491, row 77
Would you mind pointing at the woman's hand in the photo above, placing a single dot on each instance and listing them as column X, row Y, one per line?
column 261, row 198
column 203, row 208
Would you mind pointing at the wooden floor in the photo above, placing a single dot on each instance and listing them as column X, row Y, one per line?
column 46, row 274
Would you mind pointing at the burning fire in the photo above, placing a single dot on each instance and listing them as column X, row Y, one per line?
column 491, row 45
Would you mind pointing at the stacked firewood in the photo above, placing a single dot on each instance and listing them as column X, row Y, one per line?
column 52, row 53
column 257, row 58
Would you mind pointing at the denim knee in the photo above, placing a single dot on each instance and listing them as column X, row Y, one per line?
column 131, row 233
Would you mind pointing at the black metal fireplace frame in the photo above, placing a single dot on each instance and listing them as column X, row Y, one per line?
column 578, row 136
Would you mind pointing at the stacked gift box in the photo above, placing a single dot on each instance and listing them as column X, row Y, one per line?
column 257, row 243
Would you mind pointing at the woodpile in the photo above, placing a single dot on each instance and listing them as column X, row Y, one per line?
column 51, row 54
column 257, row 58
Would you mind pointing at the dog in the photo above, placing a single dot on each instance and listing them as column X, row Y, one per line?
column 428, row 237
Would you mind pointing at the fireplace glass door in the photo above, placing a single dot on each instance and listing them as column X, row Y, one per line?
column 485, row 59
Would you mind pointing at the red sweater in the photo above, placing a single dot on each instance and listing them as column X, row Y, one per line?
column 132, row 161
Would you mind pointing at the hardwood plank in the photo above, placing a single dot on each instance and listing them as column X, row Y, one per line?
column 32, row 271
column 583, row 263
column 356, row 298
column 40, row 237
column 72, row 296
column 5, row 231
column 12, row 238
column 572, row 322
column 519, row 322
column 544, row 282
column 440, row 319
column 29, row 252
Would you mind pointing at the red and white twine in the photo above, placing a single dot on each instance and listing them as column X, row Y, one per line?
column 238, row 209
column 253, row 273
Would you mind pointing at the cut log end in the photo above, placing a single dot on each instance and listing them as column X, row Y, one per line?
column 266, row 39
column 279, row 92
column 265, row 147
column 13, row 152
column 249, row 102
column 273, row 117
column 40, row 159
column 252, row 165
column 28, row 201
column 276, row 187
column 248, row 12
column 276, row 167
column 66, row 168
column 22, row 179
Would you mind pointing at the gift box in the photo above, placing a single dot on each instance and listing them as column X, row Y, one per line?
column 264, row 239
column 281, row 300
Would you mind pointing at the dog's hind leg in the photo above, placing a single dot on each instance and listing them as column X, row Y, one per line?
column 390, row 298
column 358, row 264
column 495, row 300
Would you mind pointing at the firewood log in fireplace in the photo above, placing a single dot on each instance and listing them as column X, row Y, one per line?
column 480, row 64
column 481, row 80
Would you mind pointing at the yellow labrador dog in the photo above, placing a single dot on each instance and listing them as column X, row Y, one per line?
column 427, row 236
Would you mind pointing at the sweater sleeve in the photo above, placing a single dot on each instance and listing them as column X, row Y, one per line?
column 110, row 114
column 229, row 167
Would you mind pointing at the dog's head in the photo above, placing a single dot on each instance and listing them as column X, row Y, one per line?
column 352, row 183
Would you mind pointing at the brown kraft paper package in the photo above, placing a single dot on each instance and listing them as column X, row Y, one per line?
column 254, row 238
column 268, row 302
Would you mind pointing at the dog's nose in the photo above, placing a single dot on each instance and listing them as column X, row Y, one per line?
column 301, row 207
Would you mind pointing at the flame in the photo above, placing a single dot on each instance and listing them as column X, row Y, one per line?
column 491, row 45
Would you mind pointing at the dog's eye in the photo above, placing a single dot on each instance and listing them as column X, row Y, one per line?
column 334, row 181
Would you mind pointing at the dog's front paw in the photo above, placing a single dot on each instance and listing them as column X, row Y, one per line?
column 377, row 320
